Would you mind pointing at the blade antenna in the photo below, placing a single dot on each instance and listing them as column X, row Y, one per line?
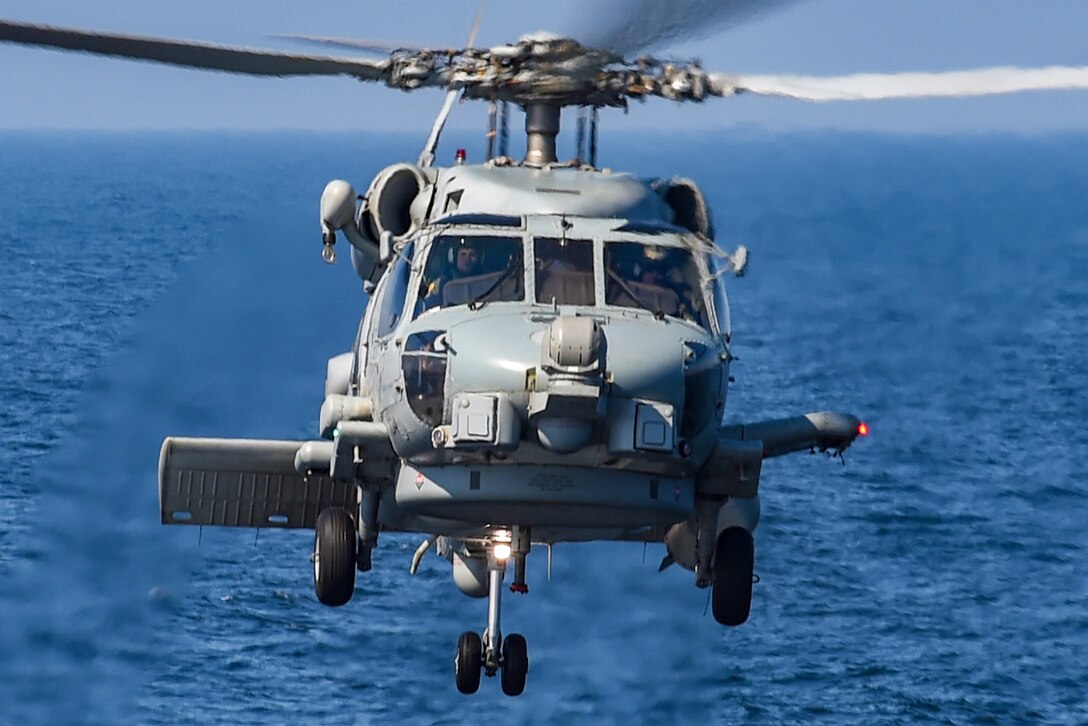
column 579, row 151
column 492, row 120
column 426, row 157
column 504, row 127
column 593, row 138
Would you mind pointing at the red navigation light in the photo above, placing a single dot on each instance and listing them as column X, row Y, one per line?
column 863, row 429
column 460, row 156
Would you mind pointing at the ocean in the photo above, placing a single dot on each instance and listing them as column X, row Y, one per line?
column 156, row 284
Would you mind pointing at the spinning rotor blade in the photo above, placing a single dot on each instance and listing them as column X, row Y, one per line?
column 631, row 27
column 553, row 71
column 426, row 157
column 876, row 86
column 476, row 24
column 378, row 46
column 370, row 46
column 190, row 54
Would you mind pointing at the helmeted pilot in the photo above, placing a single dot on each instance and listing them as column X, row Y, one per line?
column 465, row 261
column 662, row 267
column 652, row 267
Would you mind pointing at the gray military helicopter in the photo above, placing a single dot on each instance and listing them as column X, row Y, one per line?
column 546, row 351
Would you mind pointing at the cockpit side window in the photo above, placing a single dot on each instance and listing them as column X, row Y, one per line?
column 463, row 269
column 393, row 294
column 663, row 280
column 564, row 271
column 424, row 366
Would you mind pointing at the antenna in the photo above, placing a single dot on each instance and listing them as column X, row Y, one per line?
column 492, row 118
column 580, row 144
column 504, row 128
column 593, row 138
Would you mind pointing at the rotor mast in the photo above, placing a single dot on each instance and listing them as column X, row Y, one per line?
column 541, row 128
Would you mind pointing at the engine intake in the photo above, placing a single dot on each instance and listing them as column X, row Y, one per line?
column 390, row 201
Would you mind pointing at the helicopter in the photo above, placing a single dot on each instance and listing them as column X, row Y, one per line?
column 545, row 354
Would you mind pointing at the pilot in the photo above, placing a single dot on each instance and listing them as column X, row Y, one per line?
column 659, row 267
column 653, row 267
column 466, row 262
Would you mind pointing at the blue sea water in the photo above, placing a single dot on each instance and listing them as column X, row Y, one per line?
column 937, row 286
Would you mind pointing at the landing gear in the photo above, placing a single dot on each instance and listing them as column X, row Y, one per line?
column 734, row 562
column 515, row 664
column 493, row 634
column 468, row 662
column 368, row 529
column 493, row 654
column 334, row 557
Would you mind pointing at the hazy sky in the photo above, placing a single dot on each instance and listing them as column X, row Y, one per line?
column 54, row 89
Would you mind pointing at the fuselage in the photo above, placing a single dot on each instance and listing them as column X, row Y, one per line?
column 579, row 357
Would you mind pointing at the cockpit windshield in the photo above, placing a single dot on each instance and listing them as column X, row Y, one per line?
column 463, row 269
column 663, row 280
column 564, row 271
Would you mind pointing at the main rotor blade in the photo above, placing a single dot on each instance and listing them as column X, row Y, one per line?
column 376, row 46
column 426, row 157
column 190, row 54
column 370, row 46
column 475, row 29
column 876, row 86
column 629, row 27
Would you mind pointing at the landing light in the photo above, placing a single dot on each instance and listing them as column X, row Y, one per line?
column 863, row 429
column 501, row 540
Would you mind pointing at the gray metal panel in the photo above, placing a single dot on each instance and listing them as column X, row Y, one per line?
column 516, row 191
column 733, row 469
column 545, row 496
column 654, row 429
column 473, row 418
column 243, row 483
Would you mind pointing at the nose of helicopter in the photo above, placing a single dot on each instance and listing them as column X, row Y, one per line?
column 574, row 379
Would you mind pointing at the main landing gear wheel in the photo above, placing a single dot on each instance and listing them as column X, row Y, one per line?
column 734, row 562
column 468, row 662
column 334, row 557
column 515, row 664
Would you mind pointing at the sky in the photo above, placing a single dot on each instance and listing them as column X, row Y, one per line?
column 63, row 90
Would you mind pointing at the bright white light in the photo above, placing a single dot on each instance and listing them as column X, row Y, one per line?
column 502, row 551
column 511, row 365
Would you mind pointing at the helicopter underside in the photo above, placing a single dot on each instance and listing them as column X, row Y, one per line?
column 558, row 503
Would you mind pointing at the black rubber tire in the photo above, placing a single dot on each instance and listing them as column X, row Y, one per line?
column 469, row 662
column 734, row 563
column 334, row 557
column 515, row 664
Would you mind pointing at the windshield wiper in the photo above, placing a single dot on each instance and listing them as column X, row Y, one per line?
column 480, row 300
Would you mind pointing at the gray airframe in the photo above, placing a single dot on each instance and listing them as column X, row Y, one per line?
column 545, row 354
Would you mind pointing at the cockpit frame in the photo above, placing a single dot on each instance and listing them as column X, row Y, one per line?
column 712, row 303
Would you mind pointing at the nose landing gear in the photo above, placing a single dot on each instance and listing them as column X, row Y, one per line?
column 492, row 653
